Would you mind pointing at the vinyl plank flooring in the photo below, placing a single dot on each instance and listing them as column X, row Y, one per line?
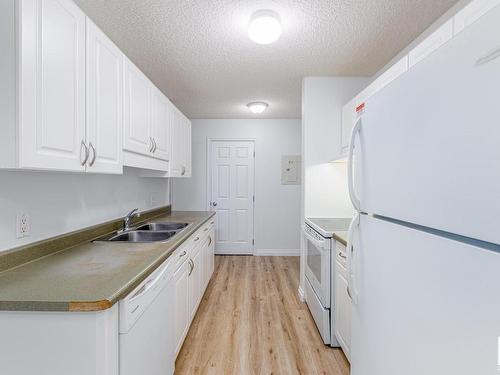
column 251, row 322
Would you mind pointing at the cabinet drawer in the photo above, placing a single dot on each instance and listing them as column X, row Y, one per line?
column 180, row 255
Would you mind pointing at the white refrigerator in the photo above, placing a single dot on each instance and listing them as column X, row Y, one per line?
column 424, row 251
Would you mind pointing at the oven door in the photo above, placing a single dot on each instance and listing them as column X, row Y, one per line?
column 318, row 265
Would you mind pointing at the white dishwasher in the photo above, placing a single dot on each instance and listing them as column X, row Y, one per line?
column 146, row 325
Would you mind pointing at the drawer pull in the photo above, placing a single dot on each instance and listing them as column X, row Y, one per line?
column 182, row 254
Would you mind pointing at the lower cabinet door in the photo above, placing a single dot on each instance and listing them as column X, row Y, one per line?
column 206, row 263
column 342, row 311
column 181, row 314
column 195, row 281
column 211, row 253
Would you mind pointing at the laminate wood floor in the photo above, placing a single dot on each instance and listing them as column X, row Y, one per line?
column 251, row 321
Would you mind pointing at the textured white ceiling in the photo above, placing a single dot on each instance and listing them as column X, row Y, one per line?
column 198, row 52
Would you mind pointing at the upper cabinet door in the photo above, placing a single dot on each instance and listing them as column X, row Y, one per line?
column 104, row 102
column 52, row 85
column 162, row 118
column 348, row 120
column 137, row 122
column 177, row 145
column 472, row 12
column 187, row 142
column 431, row 43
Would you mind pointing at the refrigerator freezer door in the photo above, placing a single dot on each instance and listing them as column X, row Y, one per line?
column 428, row 150
column 426, row 304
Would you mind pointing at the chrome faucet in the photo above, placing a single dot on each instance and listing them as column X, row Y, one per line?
column 128, row 218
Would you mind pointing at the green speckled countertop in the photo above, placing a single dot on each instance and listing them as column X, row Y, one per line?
column 92, row 276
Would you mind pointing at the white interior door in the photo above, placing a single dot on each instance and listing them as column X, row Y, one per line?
column 232, row 195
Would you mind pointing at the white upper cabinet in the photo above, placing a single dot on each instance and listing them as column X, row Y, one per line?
column 348, row 120
column 137, row 114
column 148, row 118
column 472, row 12
column 104, row 103
column 181, row 145
column 52, row 85
column 162, row 119
column 354, row 107
column 188, row 151
column 431, row 43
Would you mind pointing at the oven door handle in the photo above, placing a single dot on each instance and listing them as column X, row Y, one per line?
column 319, row 244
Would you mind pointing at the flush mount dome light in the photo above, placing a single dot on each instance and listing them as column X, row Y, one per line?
column 264, row 27
column 257, row 107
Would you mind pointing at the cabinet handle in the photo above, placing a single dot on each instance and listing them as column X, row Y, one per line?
column 191, row 265
column 183, row 171
column 94, row 154
column 196, row 239
column 210, row 242
column 82, row 162
column 183, row 254
column 155, row 145
column 204, row 230
column 151, row 146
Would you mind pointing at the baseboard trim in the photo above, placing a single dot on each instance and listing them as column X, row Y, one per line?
column 302, row 295
column 277, row 252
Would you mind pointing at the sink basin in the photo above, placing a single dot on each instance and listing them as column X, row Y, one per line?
column 139, row 236
column 162, row 226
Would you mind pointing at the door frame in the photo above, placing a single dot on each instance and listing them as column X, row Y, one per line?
column 209, row 176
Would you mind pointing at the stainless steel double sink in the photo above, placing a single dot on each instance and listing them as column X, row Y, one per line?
column 146, row 233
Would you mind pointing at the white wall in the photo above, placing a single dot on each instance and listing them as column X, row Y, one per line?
column 277, row 207
column 60, row 202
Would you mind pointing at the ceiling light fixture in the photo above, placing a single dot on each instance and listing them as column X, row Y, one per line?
column 264, row 27
column 257, row 107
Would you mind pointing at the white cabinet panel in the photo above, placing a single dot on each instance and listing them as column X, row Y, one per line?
column 104, row 102
column 195, row 280
column 342, row 309
column 348, row 119
column 472, row 12
column 162, row 118
column 181, row 301
column 137, row 111
column 390, row 75
column 187, row 143
column 181, row 145
column 52, row 85
column 431, row 43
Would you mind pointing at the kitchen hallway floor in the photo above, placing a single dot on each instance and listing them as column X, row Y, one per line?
column 251, row 322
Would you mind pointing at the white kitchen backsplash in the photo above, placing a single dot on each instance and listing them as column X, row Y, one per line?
column 58, row 203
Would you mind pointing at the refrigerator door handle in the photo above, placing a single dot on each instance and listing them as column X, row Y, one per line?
column 350, row 165
column 351, row 290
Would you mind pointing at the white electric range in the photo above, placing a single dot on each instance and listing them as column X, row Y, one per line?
column 320, row 272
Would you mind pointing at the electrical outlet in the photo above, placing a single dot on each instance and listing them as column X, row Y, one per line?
column 23, row 225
